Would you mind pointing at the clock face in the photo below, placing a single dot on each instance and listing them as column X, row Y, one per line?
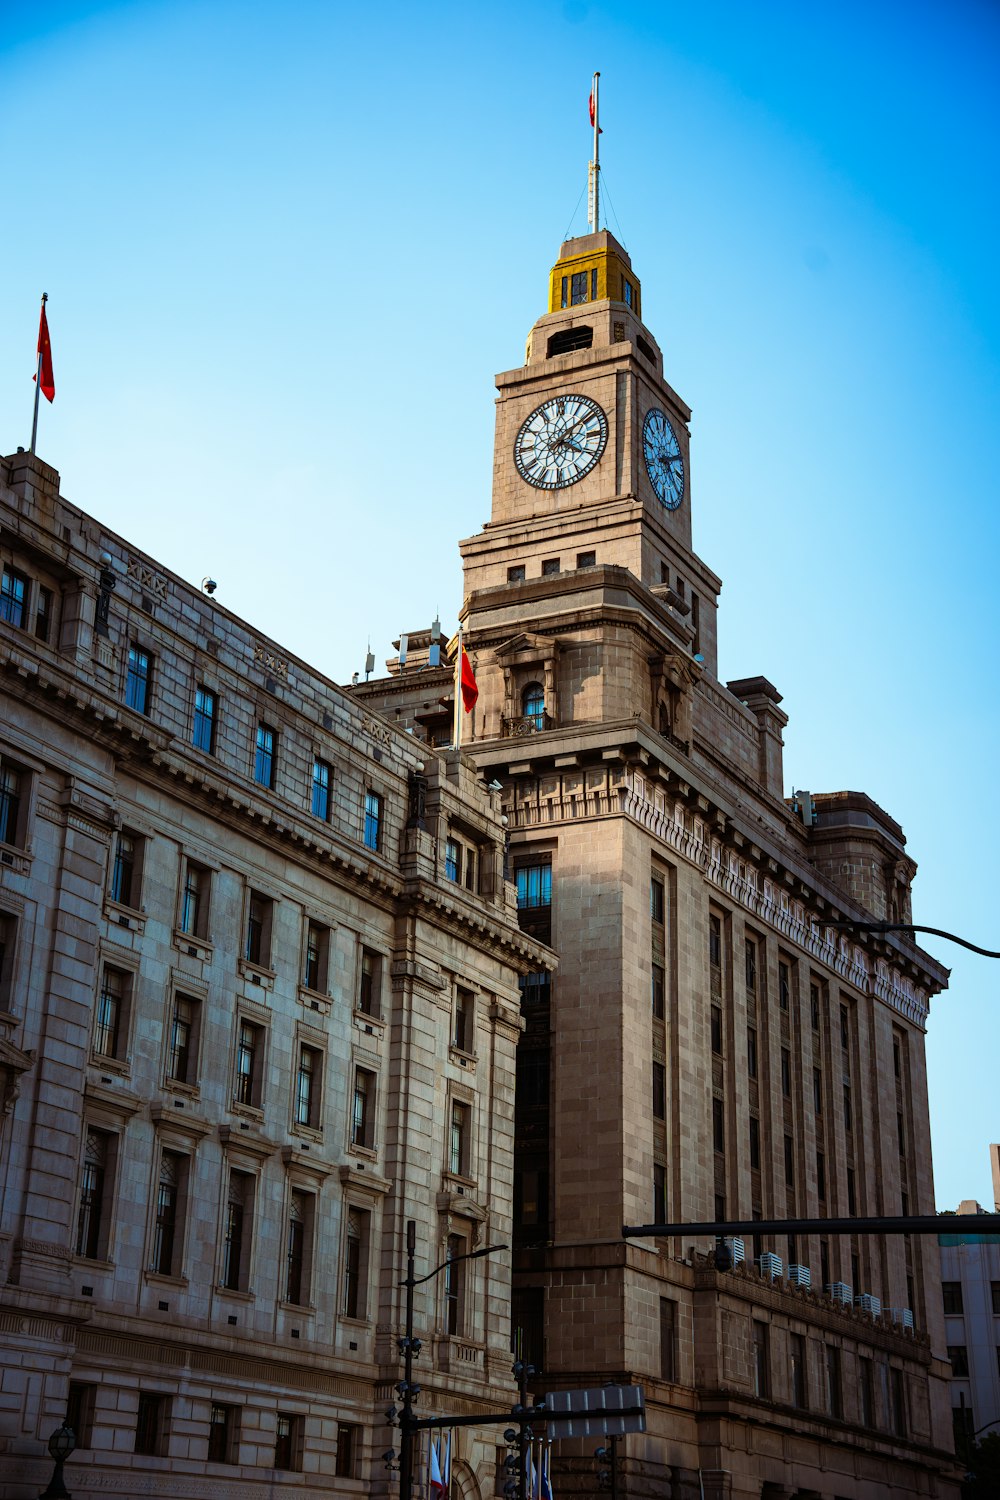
column 664, row 463
column 560, row 442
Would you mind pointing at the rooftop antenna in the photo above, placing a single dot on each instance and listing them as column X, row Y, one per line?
column 404, row 642
column 594, row 166
column 369, row 662
column 434, row 651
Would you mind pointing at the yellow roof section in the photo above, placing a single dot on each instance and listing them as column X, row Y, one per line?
column 593, row 268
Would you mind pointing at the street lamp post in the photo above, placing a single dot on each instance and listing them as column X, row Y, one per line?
column 60, row 1446
column 410, row 1347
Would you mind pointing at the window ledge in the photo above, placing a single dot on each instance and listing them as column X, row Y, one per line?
column 257, row 974
column 13, row 858
column 131, row 918
column 314, row 1000
column 463, row 1058
column 366, row 1153
column 307, row 1132
column 95, row 1264
column 237, row 1296
column 301, row 1309
column 160, row 1278
column 121, row 1066
column 375, row 1024
column 247, row 1112
column 192, row 945
column 456, row 1182
column 175, row 1086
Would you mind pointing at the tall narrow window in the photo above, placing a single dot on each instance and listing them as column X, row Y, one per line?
column 13, row 597
column 264, row 756
column 821, row 1176
column 43, row 615
column 784, row 985
column 797, row 1369
column 288, row 1443
column 898, row 1390
column 454, row 1285
column 363, row 1109
column 373, row 821
column 751, row 964
column 95, row 1179
column 715, row 942
column 356, row 1263
column 462, row 1028
column 317, row 957
column 814, row 1006
column 203, row 736
column 866, row 1393
column 657, row 900
column 111, row 1019
column 754, row 1143
column 369, row 983
column 10, row 805
column 138, row 680
column 533, row 704
column 259, row 913
column 668, row 1339
column 716, row 1029
column 166, row 1236
column 761, row 1360
column 150, row 1423
column 659, row 1091
column 718, row 1125
column 458, row 1139
column 321, row 778
column 751, row 1052
column 182, row 1042
column 345, row 1465
column 789, row 1161
column 659, row 992
column 80, row 1402
column 786, row 1073
column 452, row 859
column 298, row 1244
column 194, row 900
column 249, row 1064
column 659, row 1193
column 307, row 1087
column 124, row 881
column 223, row 1434
column 237, row 1231
column 534, row 886
column 834, row 1403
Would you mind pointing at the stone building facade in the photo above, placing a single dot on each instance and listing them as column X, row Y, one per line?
column 970, row 1286
column 251, row 1024
column 711, row 1048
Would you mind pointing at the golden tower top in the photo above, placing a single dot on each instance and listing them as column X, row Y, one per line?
column 593, row 268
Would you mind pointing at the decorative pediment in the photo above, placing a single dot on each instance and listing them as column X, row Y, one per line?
column 525, row 645
column 13, row 1064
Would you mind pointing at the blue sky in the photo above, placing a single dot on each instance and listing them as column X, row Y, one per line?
column 286, row 249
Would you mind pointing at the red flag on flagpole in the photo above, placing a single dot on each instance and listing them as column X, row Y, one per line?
column 593, row 118
column 470, row 687
column 45, row 377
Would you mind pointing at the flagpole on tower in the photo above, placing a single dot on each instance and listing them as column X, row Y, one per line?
column 458, row 692
column 42, row 329
column 595, row 165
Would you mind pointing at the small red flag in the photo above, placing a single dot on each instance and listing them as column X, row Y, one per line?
column 48, row 380
column 470, row 687
column 590, row 103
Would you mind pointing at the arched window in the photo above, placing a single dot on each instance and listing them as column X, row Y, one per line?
column 533, row 699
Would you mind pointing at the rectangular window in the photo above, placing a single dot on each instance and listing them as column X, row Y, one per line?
column 789, row 1161
column 754, row 1143
column 345, row 1464
column 8, row 943
column 716, row 1025
column 817, row 1091
column 715, row 942
column 814, row 1006
column 845, row 1031
column 458, row 1139
column 751, row 1052
column 550, row 567
column 260, row 911
column 265, row 754
column 80, row 1403
column 13, row 597
column 138, row 680
column 959, row 1356
column 151, row 1424
column 516, row 574
column 298, row 1248
column 203, row 736
column 452, row 859
column 462, row 1027
column 322, row 778
column 593, row 284
column 126, row 868
column 761, row 1360
column 315, row 967
column 454, row 1286
column 43, row 615
column 898, row 1386
column 852, row 1195
column 12, row 785
column 668, row 1339
column 659, row 1091
column 797, row 1370
column 834, row 1404
column 586, row 559
column 308, row 1083
column 167, row 1232
column 821, row 1177
column 866, row 1393
column 786, row 1073
column 363, row 1109
column 657, row 900
column 288, row 1443
column 249, row 1065
column 194, row 900
column 995, row 1296
column 718, row 1125
column 565, row 299
column 182, row 1042
column 659, row 1193
column 848, row 1111
column 628, row 292
column 373, row 821
column 784, row 985
column 355, row 1298
column 534, row 885
column 111, row 1017
column 370, row 983
column 750, row 964
column 237, row 1231
column 578, row 288
column 659, row 992
column 94, row 1218
column 224, row 1434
